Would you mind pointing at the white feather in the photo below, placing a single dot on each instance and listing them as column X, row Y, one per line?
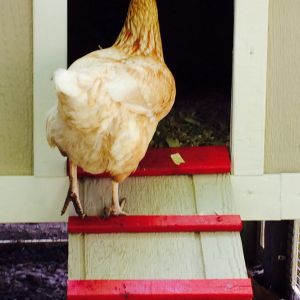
column 66, row 83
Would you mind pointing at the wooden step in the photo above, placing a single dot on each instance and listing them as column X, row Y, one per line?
column 183, row 258
column 159, row 289
column 197, row 160
column 138, row 224
column 222, row 289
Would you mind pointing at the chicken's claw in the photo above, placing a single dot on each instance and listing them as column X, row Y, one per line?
column 115, row 211
column 72, row 197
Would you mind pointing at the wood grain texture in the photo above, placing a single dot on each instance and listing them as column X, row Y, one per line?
column 282, row 144
column 16, row 128
column 268, row 197
column 213, row 194
column 145, row 195
column 223, row 255
column 125, row 256
column 76, row 259
column 143, row 256
column 162, row 255
column 222, row 251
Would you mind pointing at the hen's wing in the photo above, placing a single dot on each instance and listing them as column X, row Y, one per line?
column 143, row 86
column 140, row 85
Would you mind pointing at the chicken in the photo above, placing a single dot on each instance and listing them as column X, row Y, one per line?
column 110, row 102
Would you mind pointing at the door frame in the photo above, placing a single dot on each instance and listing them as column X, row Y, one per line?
column 39, row 197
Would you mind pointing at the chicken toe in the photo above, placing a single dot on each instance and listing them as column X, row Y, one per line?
column 72, row 197
column 115, row 209
column 73, row 192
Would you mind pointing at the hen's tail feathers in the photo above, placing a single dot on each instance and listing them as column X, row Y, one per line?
column 76, row 99
column 66, row 83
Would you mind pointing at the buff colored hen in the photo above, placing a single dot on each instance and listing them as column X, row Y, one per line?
column 110, row 102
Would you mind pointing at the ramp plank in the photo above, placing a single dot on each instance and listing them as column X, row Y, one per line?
column 197, row 160
column 160, row 289
column 161, row 223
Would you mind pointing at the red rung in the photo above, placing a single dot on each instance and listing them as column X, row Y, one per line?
column 188, row 223
column 209, row 289
column 198, row 160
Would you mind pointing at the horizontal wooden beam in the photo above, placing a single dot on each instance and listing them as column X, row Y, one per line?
column 32, row 199
column 267, row 197
column 128, row 224
column 197, row 160
column 210, row 289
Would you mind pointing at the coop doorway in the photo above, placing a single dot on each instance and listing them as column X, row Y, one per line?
column 197, row 40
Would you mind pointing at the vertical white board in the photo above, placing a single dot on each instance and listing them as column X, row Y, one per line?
column 249, row 86
column 49, row 54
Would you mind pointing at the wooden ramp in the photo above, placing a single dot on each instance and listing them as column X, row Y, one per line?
column 181, row 241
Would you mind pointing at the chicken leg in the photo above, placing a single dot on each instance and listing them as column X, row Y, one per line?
column 117, row 205
column 73, row 193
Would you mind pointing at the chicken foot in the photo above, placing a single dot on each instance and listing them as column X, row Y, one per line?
column 117, row 205
column 73, row 193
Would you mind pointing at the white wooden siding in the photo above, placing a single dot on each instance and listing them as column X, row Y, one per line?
column 49, row 54
column 32, row 199
column 38, row 198
column 249, row 87
column 257, row 197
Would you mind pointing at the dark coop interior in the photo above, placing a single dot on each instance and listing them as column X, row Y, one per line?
column 197, row 40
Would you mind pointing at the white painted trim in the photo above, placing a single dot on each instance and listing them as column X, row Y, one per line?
column 249, row 82
column 257, row 197
column 266, row 197
column 261, row 198
column 36, row 198
column 49, row 53
column 249, row 87
column 32, row 199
